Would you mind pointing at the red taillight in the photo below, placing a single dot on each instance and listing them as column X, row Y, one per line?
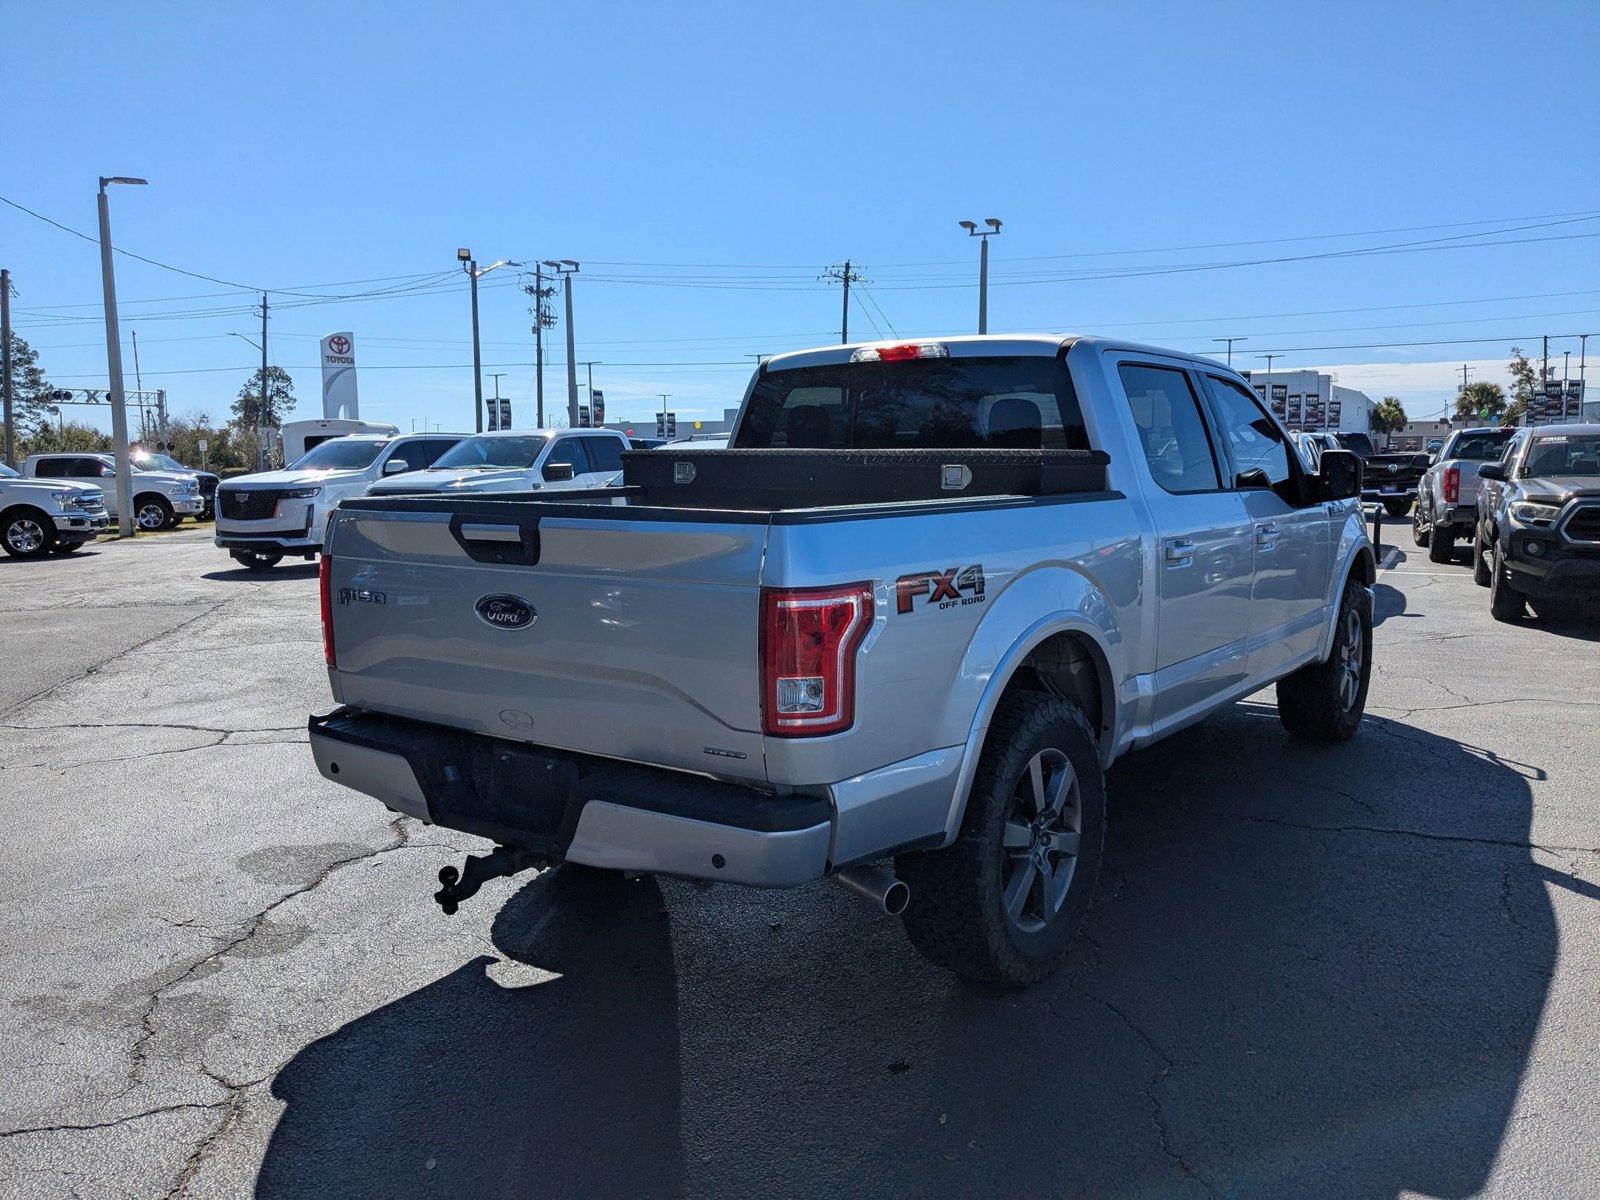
column 325, row 586
column 1452, row 484
column 809, row 639
column 901, row 352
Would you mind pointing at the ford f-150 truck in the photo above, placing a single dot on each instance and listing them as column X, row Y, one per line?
column 1538, row 530
column 262, row 517
column 930, row 592
column 160, row 498
column 47, row 516
column 1447, row 496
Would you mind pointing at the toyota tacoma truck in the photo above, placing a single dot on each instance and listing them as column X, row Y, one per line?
column 262, row 517
column 1447, row 495
column 47, row 516
column 927, row 596
column 1538, row 531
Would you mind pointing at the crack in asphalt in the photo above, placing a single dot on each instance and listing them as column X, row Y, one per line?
column 1158, row 1117
column 1507, row 843
column 251, row 926
column 121, row 654
column 138, row 1116
column 1406, row 712
column 223, row 738
column 238, row 1095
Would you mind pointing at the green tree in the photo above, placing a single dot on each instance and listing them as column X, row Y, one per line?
column 29, row 388
column 1480, row 401
column 252, row 411
column 64, row 437
column 1524, row 386
column 1388, row 416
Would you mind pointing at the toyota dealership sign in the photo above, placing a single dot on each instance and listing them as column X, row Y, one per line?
column 339, row 377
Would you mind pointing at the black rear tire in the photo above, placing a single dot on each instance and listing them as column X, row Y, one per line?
column 1323, row 702
column 1397, row 508
column 959, row 915
column 1480, row 560
column 1441, row 546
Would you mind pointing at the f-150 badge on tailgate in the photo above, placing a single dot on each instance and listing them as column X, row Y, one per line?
column 505, row 611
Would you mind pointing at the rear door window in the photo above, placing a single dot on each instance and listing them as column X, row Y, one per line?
column 1019, row 402
column 1172, row 432
column 605, row 453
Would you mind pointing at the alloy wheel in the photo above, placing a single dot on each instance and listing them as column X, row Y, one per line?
column 25, row 535
column 1040, row 841
column 1350, row 661
column 152, row 516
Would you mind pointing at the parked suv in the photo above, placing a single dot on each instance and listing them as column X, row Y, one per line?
column 931, row 592
column 47, row 516
column 160, row 498
column 518, row 461
column 262, row 517
column 1538, row 531
column 1447, row 496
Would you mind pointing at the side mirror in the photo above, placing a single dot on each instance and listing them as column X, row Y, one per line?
column 395, row 465
column 1340, row 474
column 1492, row 470
column 558, row 472
column 1255, row 477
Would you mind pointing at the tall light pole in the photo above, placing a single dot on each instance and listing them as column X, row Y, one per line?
column 983, row 265
column 1230, row 342
column 566, row 268
column 494, row 413
column 590, row 366
column 664, row 397
column 1269, row 358
column 470, row 266
column 5, row 364
column 119, row 409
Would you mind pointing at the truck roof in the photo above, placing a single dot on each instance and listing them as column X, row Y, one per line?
column 969, row 345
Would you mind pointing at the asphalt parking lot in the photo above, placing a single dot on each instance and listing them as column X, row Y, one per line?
column 1362, row 971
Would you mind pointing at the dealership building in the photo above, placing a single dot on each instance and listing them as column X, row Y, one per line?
column 1312, row 400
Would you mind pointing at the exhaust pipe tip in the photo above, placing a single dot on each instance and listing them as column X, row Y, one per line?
column 876, row 885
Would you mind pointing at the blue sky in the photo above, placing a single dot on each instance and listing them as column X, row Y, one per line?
column 707, row 162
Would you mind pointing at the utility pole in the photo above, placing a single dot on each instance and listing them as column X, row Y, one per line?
column 1464, row 370
column 1269, row 358
column 1544, row 374
column 664, row 396
column 138, row 390
column 119, row 409
column 261, row 438
column 5, row 365
column 566, row 268
column 543, row 319
column 470, row 266
column 1230, row 342
column 494, row 413
column 590, row 366
column 846, row 274
column 983, row 265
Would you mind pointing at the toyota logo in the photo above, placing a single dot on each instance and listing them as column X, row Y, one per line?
column 339, row 344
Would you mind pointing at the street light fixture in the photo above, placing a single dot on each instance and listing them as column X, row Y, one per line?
column 983, row 265
column 119, row 410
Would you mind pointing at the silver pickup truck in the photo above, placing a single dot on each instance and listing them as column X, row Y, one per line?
column 931, row 592
column 1447, row 495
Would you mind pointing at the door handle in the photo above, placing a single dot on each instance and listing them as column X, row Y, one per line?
column 1267, row 535
column 1180, row 553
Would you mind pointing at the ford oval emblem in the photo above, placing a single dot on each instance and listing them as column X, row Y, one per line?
column 505, row 611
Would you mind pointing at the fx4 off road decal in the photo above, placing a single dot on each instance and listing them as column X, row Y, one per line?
column 942, row 589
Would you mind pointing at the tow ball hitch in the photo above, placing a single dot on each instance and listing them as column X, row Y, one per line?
column 479, row 869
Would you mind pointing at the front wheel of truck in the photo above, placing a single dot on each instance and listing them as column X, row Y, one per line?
column 1001, row 904
column 1323, row 702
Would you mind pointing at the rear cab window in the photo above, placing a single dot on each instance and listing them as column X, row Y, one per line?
column 605, row 453
column 1014, row 402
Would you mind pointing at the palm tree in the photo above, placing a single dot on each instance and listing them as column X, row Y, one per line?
column 1388, row 417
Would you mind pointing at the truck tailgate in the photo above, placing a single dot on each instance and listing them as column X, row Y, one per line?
column 639, row 638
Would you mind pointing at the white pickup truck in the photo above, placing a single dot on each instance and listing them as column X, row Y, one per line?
column 1447, row 494
column 263, row 517
column 518, row 461
column 160, row 498
column 929, row 594
column 48, row 516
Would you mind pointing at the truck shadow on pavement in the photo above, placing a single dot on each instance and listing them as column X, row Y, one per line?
column 1310, row 971
column 278, row 574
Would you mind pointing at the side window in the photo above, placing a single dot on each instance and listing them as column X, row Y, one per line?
column 567, row 450
column 1254, row 440
column 1171, row 430
column 51, row 468
column 605, row 453
column 415, row 455
column 435, row 448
